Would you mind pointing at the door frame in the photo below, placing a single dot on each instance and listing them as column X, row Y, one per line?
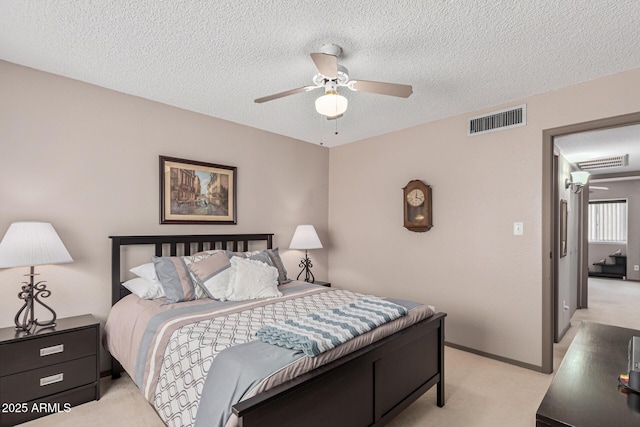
column 549, row 252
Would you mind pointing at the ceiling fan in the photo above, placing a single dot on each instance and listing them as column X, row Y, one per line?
column 331, row 76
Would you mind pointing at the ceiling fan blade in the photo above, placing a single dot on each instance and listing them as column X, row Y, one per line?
column 326, row 64
column 381, row 88
column 593, row 187
column 335, row 117
column 285, row 93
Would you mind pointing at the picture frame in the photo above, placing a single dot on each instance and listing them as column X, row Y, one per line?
column 194, row 192
column 563, row 227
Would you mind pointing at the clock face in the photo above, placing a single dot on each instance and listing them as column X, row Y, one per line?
column 415, row 197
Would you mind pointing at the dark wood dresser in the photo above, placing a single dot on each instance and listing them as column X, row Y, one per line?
column 585, row 390
column 49, row 371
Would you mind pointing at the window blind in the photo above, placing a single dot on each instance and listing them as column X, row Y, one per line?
column 608, row 221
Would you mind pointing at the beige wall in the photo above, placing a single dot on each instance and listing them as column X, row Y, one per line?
column 469, row 264
column 86, row 159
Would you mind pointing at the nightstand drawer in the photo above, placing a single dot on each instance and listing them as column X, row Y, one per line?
column 47, row 405
column 47, row 350
column 29, row 385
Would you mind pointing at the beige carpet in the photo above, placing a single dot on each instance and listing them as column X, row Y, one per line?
column 612, row 302
column 479, row 391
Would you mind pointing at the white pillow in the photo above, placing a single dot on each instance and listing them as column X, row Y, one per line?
column 146, row 271
column 252, row 279
column 144, row 288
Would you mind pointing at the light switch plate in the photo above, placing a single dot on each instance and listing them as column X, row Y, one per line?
column 518, row 228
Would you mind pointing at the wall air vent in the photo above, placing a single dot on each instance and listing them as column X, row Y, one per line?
column 604, row 162
column 498, row 120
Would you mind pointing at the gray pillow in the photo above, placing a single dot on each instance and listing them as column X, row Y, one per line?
column 174, row 276
column 276, row 261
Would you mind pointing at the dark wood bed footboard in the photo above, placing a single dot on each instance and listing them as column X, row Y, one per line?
column 368, row 387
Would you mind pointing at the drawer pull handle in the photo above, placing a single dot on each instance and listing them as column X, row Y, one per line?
column 51, row 379
column 54, row 349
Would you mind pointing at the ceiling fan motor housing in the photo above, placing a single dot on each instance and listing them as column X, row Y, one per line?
column 342, row 79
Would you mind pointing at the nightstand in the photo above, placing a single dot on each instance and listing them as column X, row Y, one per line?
column 49, row 371
column 318, row 282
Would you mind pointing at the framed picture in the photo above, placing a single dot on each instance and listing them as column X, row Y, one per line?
column 193, row 192
column 563, row 228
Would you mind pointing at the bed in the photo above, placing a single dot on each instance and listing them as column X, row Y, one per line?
column 365, row 383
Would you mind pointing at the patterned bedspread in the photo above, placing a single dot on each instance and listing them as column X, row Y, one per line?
column 169, row 349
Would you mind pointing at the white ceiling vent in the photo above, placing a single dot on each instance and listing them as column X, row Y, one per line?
column 605, row 162
column 498, row 120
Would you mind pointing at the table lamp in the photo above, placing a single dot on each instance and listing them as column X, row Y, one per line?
column 27, row 244
column 305, row 237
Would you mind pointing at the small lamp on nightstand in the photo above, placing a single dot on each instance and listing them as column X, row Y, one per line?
column 27, row 244
column 305, row 237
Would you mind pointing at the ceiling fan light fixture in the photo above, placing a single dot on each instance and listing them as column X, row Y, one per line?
column 331, row 104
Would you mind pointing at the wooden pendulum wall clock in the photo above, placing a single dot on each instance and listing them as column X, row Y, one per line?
column 417, row 206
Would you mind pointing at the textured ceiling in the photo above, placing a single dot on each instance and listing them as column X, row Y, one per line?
column 216, row 57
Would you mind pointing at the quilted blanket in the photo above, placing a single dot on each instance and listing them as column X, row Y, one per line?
column 318, row 332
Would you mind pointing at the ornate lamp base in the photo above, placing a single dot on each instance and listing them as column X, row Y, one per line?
column 306, row 265
column 30, row 293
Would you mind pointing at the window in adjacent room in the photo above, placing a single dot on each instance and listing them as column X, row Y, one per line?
column 608, row 221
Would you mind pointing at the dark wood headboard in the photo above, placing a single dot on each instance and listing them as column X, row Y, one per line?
column 182, row 244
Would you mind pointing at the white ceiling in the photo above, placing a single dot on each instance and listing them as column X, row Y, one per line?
column 597, row 144
column 216, row 57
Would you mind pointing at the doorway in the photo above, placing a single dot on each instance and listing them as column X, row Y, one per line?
column 550, row 252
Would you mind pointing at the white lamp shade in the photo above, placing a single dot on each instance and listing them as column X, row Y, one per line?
column 580, row 177
column 331, row 104
column 305, row 237
column 28, row 244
